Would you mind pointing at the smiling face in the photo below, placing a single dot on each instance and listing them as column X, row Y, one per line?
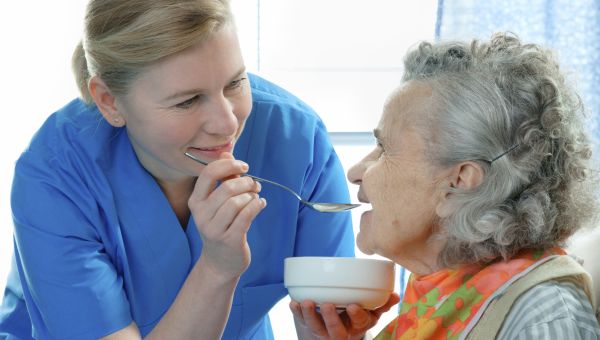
column 196, row 101
column 400, row 184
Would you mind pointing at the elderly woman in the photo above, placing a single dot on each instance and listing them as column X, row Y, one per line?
column 481, row 173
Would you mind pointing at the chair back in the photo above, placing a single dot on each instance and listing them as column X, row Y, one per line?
column 586, row 246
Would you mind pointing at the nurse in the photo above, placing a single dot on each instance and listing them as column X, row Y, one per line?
column 119, row 235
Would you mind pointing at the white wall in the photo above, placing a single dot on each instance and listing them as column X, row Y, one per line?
column 37, row 38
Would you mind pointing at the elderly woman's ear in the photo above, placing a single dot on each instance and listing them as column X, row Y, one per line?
column 462, row 177
column 467, row 175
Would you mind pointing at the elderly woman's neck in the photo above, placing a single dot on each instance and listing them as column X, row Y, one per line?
column 421, row 260
column 420, row 267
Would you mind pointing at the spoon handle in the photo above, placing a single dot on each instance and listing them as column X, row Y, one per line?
column 258, row 179
column 322, row 207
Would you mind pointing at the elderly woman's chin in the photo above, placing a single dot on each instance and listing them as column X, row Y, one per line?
column 362, row 238
column 363, row 244
column 362, row 241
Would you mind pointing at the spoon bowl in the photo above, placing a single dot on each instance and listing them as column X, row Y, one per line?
column 318, row 206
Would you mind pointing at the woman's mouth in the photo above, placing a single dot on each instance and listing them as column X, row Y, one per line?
column 211, row 152
column 361, row 196
column 365, row 219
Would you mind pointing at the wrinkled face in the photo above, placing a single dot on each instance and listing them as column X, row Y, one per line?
column 196, row 101
column 398, row 181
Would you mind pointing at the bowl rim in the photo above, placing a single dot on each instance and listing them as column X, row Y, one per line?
column 381, row 264
column 356, row 287
column 339, row 258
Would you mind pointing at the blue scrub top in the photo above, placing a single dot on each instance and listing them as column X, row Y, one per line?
column 98, row 246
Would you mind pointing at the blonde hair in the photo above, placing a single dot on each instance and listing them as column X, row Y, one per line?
column 123, row 37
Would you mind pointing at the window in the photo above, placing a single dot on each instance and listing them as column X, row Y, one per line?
column 342, row 57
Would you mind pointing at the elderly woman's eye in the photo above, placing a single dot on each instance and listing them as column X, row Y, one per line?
column 380, row 150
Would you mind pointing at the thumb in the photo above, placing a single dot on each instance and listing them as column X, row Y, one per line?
column 226, row 155
column 392, row 300
column 360, row 319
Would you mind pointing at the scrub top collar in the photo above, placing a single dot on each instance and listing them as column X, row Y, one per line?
column 155, row 220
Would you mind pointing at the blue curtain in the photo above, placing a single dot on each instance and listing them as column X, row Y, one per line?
column 570, row 27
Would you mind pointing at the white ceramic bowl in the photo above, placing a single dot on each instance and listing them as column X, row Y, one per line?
column 339, row 280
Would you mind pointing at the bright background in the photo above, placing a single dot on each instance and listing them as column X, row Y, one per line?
column 341, row 56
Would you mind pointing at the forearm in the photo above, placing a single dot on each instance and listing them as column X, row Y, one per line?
column 201, row 308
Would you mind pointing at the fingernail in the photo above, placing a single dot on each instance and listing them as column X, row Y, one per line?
column 244, row 166
column 264, row 201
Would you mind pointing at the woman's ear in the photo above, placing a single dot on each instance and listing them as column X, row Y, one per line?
column 105, row 101
column 469, row 175
column 464, row 176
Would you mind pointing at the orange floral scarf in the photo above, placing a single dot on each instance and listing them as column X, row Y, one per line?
column 442, row 305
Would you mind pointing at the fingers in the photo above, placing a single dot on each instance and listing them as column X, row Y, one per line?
column 327, row 323
column 336, row 328
column 231, row 196
column 360, row 319
column 297, row 312
column 295, row 308
column 217, row 171
column 224, row 214
column 312, row 319
column 228, row 199
column 238, row 213
column 306, row 315
column 392, row 300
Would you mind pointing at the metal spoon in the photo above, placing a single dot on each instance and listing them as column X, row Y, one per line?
column 322, row 207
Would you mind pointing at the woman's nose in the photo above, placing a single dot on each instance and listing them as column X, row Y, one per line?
column 222, row 120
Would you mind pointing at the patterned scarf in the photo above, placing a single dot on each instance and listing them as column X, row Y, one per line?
column 441, row 305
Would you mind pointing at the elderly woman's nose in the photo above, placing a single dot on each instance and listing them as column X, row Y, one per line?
column 356, row 172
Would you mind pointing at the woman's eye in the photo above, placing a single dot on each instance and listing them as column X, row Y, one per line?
column 380, row 149
column 188, row 103
column 236, row 84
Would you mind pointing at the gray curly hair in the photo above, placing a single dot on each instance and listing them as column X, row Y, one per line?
column 489, row 97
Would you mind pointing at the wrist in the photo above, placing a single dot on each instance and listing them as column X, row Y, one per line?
column 206, row 270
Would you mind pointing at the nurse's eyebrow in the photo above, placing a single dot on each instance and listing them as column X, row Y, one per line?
column 189, row 92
